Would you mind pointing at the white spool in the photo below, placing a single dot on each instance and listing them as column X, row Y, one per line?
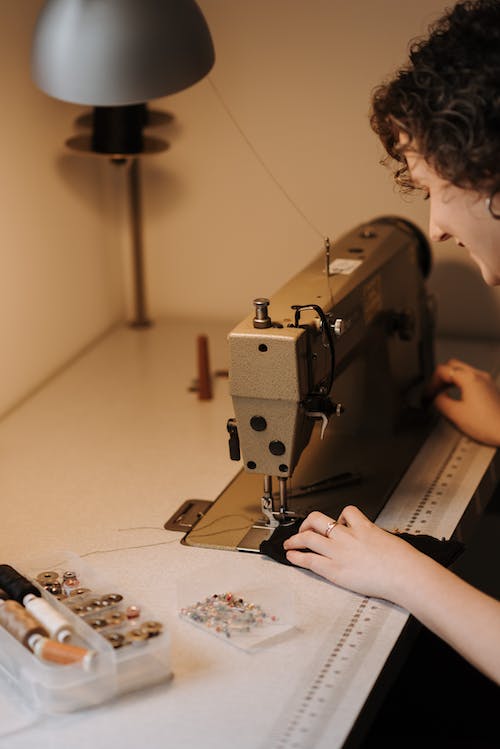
column 54, row 622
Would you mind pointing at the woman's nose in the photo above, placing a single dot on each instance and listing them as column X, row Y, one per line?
column 436, row 233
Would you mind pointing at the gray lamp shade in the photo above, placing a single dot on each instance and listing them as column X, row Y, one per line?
column 118, row 52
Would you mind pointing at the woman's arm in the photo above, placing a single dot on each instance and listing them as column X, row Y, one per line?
column 362, row 557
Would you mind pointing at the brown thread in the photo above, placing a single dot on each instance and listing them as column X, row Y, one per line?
column 19, row 622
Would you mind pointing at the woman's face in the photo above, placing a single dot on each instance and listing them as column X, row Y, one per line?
column 459, row 214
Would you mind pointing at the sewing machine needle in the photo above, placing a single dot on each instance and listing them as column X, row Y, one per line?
column 283, row 496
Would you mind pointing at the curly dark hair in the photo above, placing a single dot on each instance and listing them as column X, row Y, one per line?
column 447, row 100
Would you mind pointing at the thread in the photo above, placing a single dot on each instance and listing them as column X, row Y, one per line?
column 19, row 622
column 54, row 622
column 22, row 590
column 260, row 159
column 59, row 652
column 16, row 585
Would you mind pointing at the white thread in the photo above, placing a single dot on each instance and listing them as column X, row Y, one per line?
column 261, row 160
column 54, row 622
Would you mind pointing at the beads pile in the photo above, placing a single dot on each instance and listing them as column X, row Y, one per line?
column 227, row 614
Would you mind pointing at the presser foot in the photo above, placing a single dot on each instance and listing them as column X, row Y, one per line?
column 270, row 519
column 273, row 519
column 262, row 530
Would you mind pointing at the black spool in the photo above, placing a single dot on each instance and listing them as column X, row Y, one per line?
column 15, row 585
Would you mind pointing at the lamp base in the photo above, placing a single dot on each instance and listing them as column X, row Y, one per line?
column 140, row 324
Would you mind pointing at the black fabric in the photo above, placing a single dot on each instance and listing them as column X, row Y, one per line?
column 273, row 547
column 444, row 552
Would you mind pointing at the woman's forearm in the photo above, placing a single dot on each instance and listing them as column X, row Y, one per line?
column 463, row 616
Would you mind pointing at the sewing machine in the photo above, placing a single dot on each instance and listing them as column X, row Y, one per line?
column 327, row 381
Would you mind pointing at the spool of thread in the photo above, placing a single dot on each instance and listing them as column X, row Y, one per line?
column 22, row 590
column 59, row 652
column 16, row 585
column 53, row 621
column 19, row 622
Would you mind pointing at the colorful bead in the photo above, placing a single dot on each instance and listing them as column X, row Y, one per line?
column 227, row 614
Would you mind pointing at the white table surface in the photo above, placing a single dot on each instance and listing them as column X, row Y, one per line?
column 96, row 462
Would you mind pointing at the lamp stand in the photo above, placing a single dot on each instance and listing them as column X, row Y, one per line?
column 117, row 135
column 140, row 316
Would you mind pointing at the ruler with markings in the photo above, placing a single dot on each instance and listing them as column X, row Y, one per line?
column 431, row 499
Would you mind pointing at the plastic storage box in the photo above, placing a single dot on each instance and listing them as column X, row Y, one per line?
column 56, row 688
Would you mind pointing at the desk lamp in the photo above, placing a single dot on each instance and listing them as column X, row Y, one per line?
column 116, row 55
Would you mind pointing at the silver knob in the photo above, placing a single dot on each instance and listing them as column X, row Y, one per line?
column 261, row 319
column 338, row 326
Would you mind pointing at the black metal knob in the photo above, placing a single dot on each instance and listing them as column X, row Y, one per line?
column 276, row 447
column 234, row 440
column 258, row 423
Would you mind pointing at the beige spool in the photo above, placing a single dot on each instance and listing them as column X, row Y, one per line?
column 59, row 652
column 19, row 622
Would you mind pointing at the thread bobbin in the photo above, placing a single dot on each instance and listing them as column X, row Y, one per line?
column 19, row 622
column 54, row 622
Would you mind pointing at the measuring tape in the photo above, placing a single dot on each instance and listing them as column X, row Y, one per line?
column 430, row 499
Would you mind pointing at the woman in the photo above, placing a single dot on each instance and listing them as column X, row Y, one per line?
column 439, row 120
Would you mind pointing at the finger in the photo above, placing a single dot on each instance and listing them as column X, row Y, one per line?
column 316, row 521
column 314, row 562
column 440, row 378
column 449, row 407
column 310, row 540
column 458, row 364
column 352, row 515
column 451, row 377
column 461, row 378
column 453, row 372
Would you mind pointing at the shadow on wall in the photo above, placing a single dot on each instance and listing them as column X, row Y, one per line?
column 466, row 306
column 82, row 172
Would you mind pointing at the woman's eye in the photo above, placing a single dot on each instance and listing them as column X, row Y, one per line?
column 427, row 194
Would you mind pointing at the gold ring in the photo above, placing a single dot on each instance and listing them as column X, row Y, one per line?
column 331, row 525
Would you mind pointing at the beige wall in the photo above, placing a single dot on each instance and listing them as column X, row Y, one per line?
column 60, row 263
column 296, row 75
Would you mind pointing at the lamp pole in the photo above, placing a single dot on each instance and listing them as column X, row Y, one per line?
column 140, row 315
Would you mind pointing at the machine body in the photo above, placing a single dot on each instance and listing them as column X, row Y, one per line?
column 328, row 385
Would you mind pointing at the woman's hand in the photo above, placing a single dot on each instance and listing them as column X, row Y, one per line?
column 477, row 413
column 356, row 554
